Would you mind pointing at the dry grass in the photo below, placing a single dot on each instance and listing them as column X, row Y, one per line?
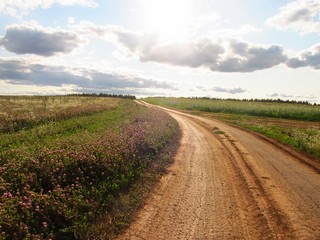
column 23, row 112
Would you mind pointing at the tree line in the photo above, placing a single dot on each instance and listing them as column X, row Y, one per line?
column 270, row 100
column 111, row 95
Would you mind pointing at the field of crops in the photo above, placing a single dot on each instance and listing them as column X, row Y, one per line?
column 295, row 124
column 65, row 160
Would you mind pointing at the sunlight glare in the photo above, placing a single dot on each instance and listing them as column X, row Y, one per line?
column 167, row 18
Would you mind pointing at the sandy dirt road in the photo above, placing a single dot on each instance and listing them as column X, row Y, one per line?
column 230, row 185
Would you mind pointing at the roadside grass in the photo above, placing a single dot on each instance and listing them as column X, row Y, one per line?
column 127, row 204
column 302, row 135
column 59, row 176
column 297, row 125
column 216, row 130
column 297, row 111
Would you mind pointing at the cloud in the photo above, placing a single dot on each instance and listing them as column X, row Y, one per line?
column 218, row 55
column 35, row 39
column 235, row 90
column 310, row 58
column 229, row 90
column 17, row 8
column 310, row 98
column 201, row 53
column 22, row 72
column 234, row 32
column 246, row 57
column 301, row 16
column 200, row 21
column 222, row 54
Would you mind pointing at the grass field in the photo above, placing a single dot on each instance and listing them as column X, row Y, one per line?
column 262, row 109
column 22, row 112
column 295, row 124
column 65, row 161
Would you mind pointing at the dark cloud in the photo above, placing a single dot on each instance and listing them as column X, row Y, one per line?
column 249, row 58
column 308, row 58
column 23, row 39
column 24, row 73
column 229, row 90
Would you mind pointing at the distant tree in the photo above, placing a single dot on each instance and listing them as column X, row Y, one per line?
column 111, row 95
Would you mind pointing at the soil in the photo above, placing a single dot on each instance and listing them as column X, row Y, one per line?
column 230, row 184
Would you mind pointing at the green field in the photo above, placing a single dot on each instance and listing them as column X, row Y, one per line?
column 294, row 124
column 66, row 161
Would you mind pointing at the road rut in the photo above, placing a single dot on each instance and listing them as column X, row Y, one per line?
column 226, row 183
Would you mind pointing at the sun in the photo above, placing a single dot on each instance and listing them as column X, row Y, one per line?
column 169, row 19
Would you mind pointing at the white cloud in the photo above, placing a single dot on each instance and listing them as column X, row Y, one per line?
column 235, row 32
column 195, row 54
column 221, row 55
column 301, row 16
column 71, row 20
column 17, row 7
column 235, row 90
column 307, row 58
column 204, row 20
column 224, row 54
column 309, row 98
column 35, row 39
column 229, row 90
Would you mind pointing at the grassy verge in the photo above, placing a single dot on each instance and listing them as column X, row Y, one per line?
column 282, row 110
column 303, row 134
column 126, row 204
column 60, row 176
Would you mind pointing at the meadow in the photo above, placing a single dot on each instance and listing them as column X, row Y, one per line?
column 66, row 160
column 295, row 124
column 22, row 112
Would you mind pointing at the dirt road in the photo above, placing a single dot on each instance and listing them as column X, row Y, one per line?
column 227, row 183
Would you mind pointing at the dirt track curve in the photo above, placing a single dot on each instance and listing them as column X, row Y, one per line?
column 232, row 185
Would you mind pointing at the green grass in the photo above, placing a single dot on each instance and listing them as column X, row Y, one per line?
column 67, row 170
column 302, row 135
column 73, row 129
column 263, row 109
column 25, row 112
column 293, row 124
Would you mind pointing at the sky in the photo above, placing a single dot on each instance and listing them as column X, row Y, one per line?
column 180, row 48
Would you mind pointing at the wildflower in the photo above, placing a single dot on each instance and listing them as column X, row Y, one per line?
column 44, row 224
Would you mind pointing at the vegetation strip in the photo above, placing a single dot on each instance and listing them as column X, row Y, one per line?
column 295, row 124
column 56, row 189
column 261, row 108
